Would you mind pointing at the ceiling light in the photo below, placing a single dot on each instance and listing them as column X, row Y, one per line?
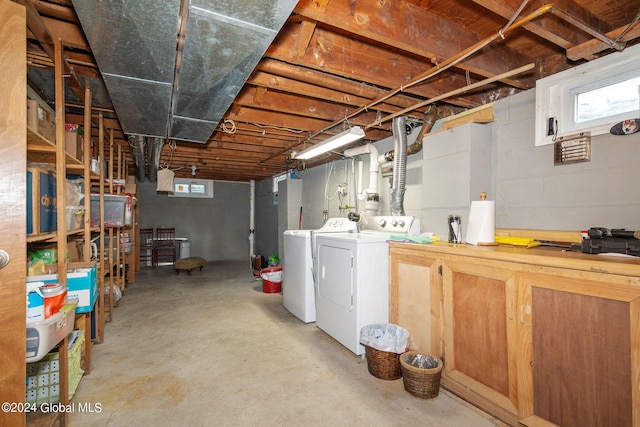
column 343, row 138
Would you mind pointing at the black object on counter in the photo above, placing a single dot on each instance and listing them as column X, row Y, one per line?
column 614, row 240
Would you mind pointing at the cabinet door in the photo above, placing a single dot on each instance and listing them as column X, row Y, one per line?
column 480, row 335
column 584, row 352
column 13, row 226
column 415, row 298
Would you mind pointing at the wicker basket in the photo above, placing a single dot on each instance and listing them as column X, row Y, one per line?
column 383, row 364
column 421, row 374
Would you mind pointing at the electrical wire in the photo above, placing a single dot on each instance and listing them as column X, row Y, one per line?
column 228, row 126
column 278, row 128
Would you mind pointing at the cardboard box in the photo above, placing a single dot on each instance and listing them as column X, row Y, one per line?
column 42, row 215
column 75, row 248
column 41, row 119
column 74, row 144
column 82, row 283
column 131, row 188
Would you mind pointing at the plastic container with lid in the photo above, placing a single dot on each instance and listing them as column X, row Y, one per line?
column 35, row 301
column 54, row 295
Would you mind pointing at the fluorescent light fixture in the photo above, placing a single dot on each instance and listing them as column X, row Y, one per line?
column 343, row 138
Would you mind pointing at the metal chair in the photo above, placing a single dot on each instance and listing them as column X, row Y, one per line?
column 165, row 245
column 146, row 245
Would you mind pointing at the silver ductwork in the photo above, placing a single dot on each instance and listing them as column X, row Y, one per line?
column 146, row 153
column 154, row 151
column 172, row 68
column 137, row 144
column 399, row 166
column 400, row 153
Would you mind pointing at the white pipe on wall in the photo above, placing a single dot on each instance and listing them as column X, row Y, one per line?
column 252, row 214
column 371, row 193
column 373, row 168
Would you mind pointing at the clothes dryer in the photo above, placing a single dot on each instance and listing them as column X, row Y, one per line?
column 352, row 277
column 298, row 293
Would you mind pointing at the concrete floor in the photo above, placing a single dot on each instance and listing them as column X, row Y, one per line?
column 213, row 349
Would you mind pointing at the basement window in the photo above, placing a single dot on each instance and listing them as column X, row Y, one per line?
column 196, row 188
column 590, row 97
column 606, row 101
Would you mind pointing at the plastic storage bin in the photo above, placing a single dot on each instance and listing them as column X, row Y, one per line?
column 114, row 209
column 42, row 336
column 43, row 377
column 75, row 217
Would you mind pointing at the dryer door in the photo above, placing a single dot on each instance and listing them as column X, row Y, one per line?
column 336, row 308
column 335, row 276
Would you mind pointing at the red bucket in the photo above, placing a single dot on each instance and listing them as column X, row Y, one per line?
column 271, row 280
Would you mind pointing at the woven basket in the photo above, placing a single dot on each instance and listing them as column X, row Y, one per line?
column 421, row 374
column 383, row 364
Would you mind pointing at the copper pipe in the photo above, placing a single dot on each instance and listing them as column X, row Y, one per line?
column 455, row 92
column 430, row 120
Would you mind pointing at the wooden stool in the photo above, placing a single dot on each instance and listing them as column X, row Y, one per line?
column 188, row 264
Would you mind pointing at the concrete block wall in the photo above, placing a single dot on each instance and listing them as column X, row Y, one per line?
column 530, row 192
column 533, row 193
column 457, row 167
column 217, row 228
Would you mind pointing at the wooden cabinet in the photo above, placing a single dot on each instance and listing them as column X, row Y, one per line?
column 415, row 294
column 480, row 334
column 584, row 350
column 13, row 225
column 536, row 337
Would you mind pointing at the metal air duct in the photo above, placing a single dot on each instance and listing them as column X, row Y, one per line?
column 154, row 149
column 137, row 143
column 172, row 68
column 399, row 166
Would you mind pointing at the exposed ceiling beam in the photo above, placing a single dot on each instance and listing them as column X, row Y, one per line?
column 388, row 23
column 553, row 30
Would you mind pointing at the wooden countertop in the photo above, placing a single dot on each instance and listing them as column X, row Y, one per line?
column 540, row 255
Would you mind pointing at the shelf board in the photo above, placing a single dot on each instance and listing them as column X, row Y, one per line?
column 51, row 237
column 41, row 150
column 45, row 237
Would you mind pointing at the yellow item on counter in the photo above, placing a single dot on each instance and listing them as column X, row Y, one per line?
column 517, row 241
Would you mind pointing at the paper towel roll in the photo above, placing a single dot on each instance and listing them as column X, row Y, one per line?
column 481, row 226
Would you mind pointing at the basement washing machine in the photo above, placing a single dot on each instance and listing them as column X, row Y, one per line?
column 298, row 294
column 352, row 277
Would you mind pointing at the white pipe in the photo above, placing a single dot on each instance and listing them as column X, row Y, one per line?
column 252, row 214
column 373, row 167
column 359, row 189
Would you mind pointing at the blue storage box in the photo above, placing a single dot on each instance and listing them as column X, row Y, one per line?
column 42, row 213
column 82, row 283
